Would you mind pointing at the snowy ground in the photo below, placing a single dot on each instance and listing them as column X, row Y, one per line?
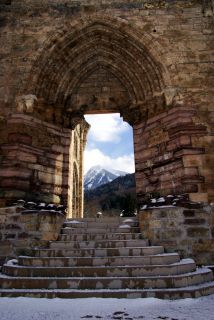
column 92, row 308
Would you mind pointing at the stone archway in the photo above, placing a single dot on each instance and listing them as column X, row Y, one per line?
column 100, row 65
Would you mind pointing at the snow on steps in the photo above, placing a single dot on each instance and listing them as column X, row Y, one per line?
column 183, row 266
column 98, row 244
column 98, row 261
column 98, row 283
column 100, row 252
column 101, row 236
column 169, row 293
column 104, row 258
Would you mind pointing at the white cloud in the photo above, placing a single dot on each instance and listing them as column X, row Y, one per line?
column 106, row 127
column 94, row 157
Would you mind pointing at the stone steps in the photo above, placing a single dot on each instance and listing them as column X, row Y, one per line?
column 98, row 261
column 101, row 236
column 99, row 224
column 105, row 220
column 94, row 230
column 103, row 260
column 166, row 293
column 97, row 244
column 82, row 283
column 97, row 252
column 184, row 266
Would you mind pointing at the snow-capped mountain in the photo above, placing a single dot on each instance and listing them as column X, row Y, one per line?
column 98, row 176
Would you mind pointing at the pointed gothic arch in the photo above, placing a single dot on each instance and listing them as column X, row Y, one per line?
column 77, row 51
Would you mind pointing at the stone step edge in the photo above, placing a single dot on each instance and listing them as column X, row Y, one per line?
column 203, row 271
column 173, row 293
column 189, row 288
column 180, row 263
column 96, row 241
column 107, row 248
column 109, row 218
column 97, row 233
column 102, row 228
column 107, row 257
column 111, row 224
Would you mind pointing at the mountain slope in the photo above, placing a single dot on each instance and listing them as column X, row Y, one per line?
column 98, row 176
column 113, row 197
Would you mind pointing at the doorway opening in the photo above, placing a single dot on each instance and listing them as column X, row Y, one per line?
column 109, row 178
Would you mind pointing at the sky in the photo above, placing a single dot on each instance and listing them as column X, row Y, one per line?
column 109, row 143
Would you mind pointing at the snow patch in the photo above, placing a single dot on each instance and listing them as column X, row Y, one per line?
column 75, row 221
column 94, row 308
column 12, row 262
column 128, row 220
column 124, row 226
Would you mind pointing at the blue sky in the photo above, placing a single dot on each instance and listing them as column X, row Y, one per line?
column 109, row 143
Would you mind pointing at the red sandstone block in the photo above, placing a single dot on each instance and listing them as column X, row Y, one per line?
column 179, row 116
column 20, row 138
column 26, row 157
column 182, row 109
column 151, row 126
column 178, row 121
column 138, row 127
column 184, row 140
column 23, row 117
column 15, row 183
column 167, row 177
column 60, row 149
column 192, row 171
column 163, row 158
column 189, row 151
column 172, row 167
column 150, row 189
column 189, row 129
column 157, row 118
column 21, row 147
column 193, row 160
column 146, row 154
column 15, row 172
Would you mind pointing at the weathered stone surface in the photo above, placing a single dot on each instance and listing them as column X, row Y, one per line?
column 35, row 227
column 187, row 231
column 43, row 173
column 151, row 61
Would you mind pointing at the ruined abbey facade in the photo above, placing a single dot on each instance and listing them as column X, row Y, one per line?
column 151, row 61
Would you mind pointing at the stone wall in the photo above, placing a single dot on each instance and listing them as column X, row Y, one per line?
column 22, row 230
column 187, row 231
column 153, row 61
column 170, row 156
column 37, row 160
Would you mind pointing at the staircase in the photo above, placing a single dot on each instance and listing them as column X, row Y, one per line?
column 104, row 257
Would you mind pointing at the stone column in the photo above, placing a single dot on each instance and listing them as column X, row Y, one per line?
column 34, row 160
